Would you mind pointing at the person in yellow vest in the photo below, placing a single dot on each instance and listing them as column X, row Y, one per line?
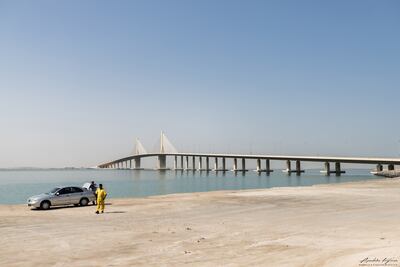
column 101, row 197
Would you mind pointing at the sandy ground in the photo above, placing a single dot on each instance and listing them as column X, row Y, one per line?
column 325, row 225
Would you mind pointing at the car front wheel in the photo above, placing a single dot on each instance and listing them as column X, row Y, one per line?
column 84, row 202
column 45, row 205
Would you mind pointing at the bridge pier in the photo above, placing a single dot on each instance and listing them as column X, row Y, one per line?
column 186, row 163
column 267, row 166
column 244, row 165
column 391, row 167
column 379, row 167
column 327, row 169
column 298, row 167
column 162, row 162
column 234, row 168
column 137, row 164
column 216, row 164
column 208, row 164
column 175, row 163
column 200, row 163
column 223, row 165
column 289, row 170
column 181, row 162
column 288, row 167
column 338, row 170
column 193, row 163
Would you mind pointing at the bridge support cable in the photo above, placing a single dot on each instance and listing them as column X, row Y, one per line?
column 139, row 148
column 165, row 145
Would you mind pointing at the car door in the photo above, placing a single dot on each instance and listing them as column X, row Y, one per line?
column 76, row 195
column 62, row 196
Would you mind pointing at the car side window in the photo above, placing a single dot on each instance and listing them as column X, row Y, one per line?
column 65, row 190
column 76, row 190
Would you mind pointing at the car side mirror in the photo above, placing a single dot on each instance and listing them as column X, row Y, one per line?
column 57, row 194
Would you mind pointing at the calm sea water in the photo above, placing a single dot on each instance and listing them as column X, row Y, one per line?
column 17, row 185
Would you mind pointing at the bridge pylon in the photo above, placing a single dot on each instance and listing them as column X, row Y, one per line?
column 162, row 150
column 165, row 145
column 139, row 148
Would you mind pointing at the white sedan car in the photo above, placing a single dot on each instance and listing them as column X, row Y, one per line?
column 61, row 196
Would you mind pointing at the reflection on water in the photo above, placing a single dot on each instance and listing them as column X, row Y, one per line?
column 17, row 185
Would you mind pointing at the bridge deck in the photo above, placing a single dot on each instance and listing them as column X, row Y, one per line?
column 359, row 160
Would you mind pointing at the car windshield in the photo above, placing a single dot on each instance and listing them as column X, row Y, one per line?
column 54, row 190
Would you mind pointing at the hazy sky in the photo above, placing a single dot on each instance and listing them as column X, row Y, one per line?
column 80, row 80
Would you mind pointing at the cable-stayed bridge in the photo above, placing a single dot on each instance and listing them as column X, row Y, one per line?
column 202, row 161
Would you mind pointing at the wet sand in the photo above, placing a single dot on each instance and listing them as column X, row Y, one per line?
column 324, row 225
